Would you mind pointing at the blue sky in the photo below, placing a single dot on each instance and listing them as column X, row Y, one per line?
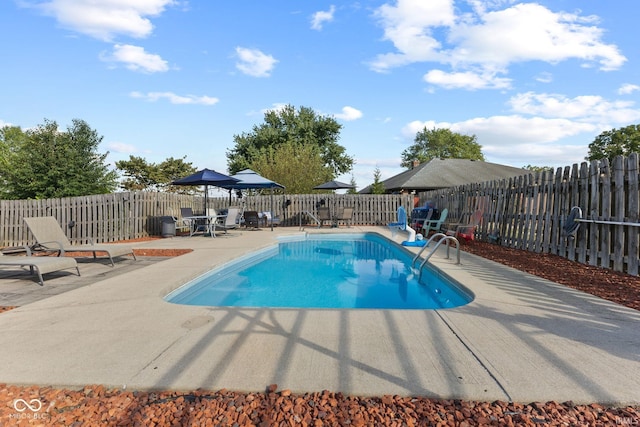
column 535, row 82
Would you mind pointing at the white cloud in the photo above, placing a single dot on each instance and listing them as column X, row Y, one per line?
column 586, row 108
column 319, row 18
column 409, row 25
column 489, row 40
column 349, row 114
column 136, row 59
column 467, row 80
column 176, row 99
column 105, row 19
column 628, row 88
column 120, row 147
column 276, row 108
column 540, row 122
column 516, row 140
column 511, row 130
column 544, row 77
column 255, row 63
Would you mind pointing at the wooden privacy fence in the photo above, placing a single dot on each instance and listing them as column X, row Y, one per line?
column 134, row 215
column 530, row 211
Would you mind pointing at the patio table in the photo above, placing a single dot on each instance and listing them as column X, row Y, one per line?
column 209, row 226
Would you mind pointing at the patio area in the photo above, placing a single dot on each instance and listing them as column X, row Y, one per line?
column 522, row 339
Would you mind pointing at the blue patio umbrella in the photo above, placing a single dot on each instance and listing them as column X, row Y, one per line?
column 206, row 177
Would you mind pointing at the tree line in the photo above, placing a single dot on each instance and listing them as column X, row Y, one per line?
column 297, row 148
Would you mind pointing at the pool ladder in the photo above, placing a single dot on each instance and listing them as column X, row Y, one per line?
column 445, row 238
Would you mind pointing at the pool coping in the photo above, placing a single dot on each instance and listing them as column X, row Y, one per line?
column 522, row 339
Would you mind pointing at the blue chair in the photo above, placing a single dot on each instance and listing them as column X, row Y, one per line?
column 402, row 225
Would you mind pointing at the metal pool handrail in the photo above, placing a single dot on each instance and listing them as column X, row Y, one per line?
column 445, row 238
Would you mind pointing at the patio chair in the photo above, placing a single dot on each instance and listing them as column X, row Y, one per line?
column 251, row 220
column 402, row 225
column 466, row 231
column 346, row 215
column 230, row 221
column 41, row 264
column 435, row 224
column 50, row 237
column 190, row 224
column 324, row 214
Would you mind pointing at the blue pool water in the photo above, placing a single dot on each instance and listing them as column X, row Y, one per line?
column 324, row 271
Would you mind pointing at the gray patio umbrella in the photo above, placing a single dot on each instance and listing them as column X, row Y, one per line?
column 333, row 185
column 206, row 177
column 249, row 179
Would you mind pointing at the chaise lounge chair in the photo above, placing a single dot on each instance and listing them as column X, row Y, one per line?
column 269, row 219
column 41, row 265
column 50, row 237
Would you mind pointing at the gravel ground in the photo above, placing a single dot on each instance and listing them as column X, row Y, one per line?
column 97, row 406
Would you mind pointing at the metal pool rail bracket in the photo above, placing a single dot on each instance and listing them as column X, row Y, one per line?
column 444, row 238
column 596, row 221
column 312, row 216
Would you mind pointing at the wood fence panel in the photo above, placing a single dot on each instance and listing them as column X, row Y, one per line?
column 633, row 191
column 547, row 178
column 619, row 211
column 531, row 211
column 579, row 247
column 595, row 207
column 605, row 213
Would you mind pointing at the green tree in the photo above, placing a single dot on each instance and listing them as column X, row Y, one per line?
column 11, row 138
column 353, row 190
column 538, row 168
column 141, row 175
column 615, row 142
column 441, row 143
column 297, row 166
column 378, row 186
column 47, row 163
column 303, row 127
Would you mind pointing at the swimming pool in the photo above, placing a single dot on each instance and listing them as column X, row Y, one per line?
column 351, row 271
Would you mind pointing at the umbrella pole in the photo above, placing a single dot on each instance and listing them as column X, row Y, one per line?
column 271, row 214
column 206, row 196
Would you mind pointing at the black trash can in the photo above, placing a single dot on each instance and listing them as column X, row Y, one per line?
column 168, row 226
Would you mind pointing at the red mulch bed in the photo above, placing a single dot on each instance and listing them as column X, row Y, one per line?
column 95, row 405
column 607, row 284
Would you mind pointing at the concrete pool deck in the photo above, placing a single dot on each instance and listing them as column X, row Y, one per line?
column 522, row 339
